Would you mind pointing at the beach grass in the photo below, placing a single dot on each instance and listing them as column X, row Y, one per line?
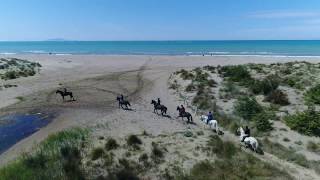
column 57, row 157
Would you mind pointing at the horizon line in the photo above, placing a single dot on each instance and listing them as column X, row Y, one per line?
column 66, row 40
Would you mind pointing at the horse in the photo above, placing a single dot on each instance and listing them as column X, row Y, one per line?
column 185, row 114
column 123, row 103
column 63, row 94
column 212, row 123
column 159, row 107
column 248, row 141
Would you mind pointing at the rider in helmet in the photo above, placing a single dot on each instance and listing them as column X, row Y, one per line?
column 247, row 133
column 121, row 98
column 210, row 117
column 159, row 101
column 182, row 111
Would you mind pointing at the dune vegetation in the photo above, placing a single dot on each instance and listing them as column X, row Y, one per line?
column 12, row 68
column 257, row 95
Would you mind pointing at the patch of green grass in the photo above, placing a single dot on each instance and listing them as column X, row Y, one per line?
column 307, row 122
column 313, row 147
column 57, row 157
column 284, row 153
column 313, row 95
column 241, row 166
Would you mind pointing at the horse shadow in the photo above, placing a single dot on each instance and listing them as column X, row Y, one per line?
column 128, row 109
column 192, row 123
column 167, row 116
column 70, row 100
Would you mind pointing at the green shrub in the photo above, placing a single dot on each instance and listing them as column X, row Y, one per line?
column 313, row 147
column 238, row 73
column 278, row 97
column 111, row 144
column 212, row 69
column 262, row 122
column 313, row 95
column 185, row 75
column 307, row 122
column 157, row 153
column 247, row 107
column 134, row 141
column 10, row 75
column 286, row 139
column 190, row 87
column 211, row 83
column 204, row 101
column 264, row 86
column 97, row 153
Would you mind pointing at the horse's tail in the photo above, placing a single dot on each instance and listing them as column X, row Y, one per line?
column 191, row 118
column 129, row 103
column 256, row 146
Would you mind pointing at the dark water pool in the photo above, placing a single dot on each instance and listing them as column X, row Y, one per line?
column 14, row 128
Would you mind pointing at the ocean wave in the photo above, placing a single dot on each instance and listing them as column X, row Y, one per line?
column 62, row 54
column 7, row 53
column 36, row 52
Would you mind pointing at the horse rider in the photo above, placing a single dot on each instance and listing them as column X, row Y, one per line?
column 121, row 98
column 182, row 110
column 159, row 102
column 247, row 133
column 210, row 117
column 65, row 90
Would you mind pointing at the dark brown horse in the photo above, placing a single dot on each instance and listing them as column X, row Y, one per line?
column 123, row 103
column 64, row 94
column 157, row 107
column 185, row 114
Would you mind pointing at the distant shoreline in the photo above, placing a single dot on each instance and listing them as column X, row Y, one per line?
column 283, row 48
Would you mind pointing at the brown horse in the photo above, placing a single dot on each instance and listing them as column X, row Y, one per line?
column 157, row 107
column 123, row 103
column 63, row 94
column 185, row 114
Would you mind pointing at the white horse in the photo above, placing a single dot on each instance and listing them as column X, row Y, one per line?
column 212, row 123
column 248, row 140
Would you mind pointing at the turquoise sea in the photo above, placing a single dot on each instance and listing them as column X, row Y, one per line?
column 255, row 47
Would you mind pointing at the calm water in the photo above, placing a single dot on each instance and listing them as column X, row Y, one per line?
column 285, row 48
column 14, row 128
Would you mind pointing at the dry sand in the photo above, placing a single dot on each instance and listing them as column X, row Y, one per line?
column 95, row 81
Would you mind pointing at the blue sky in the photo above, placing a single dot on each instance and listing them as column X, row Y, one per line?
column 159, row 19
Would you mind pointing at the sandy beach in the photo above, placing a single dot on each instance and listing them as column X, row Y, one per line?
column 96, row 80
